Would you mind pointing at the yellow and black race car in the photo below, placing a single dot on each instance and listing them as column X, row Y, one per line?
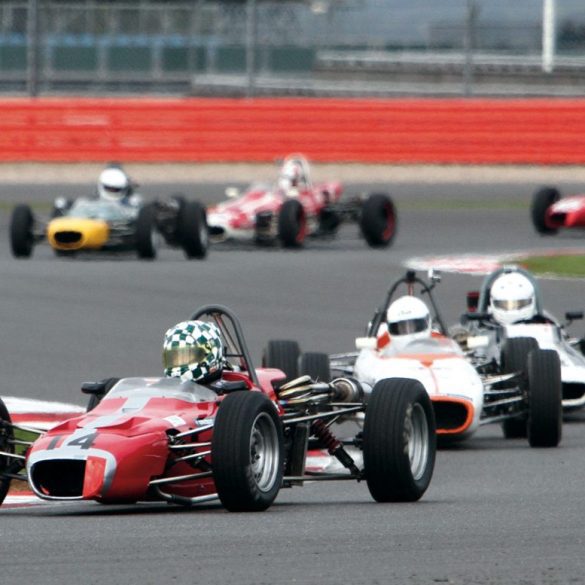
column 97, row 225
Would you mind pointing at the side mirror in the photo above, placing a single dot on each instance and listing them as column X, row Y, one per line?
column 366, row 343
column 434, row 275
column 473, row 316
column 571, row 316
column 96, row 388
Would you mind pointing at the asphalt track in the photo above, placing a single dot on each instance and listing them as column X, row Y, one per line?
column 497, row 512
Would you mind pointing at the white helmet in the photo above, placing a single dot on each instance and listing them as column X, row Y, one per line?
column 408, row 319
column 113, row 184
column 291, row 176
column 512, row 298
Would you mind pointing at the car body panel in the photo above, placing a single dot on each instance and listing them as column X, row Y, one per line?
column 75, row 233
column 442, row 369
column 568, row 212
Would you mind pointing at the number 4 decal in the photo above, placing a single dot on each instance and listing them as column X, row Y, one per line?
column 84, row 442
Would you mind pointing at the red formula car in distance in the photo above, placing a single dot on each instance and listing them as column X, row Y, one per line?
column 296, row 208
column 239, row 439
column 550, row 212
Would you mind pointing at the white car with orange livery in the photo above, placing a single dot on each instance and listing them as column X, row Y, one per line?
column 404, row 341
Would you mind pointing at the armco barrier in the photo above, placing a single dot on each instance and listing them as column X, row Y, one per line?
column 481, row 131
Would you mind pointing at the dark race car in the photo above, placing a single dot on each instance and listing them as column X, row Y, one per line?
column 239, row 439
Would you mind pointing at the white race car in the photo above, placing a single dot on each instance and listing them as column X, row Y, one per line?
column 543, row 330
column 465, row 393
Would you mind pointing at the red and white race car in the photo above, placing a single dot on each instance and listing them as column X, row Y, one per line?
column 295, row 208
column 238, row 440
column 550, row 212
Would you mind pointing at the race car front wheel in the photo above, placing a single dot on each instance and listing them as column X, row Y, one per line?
column 192, row 230
column 514, row 359
column 545, row 407
column 378, row 220
column 292, row 224
column 247, row 452
column 6, row 445
column 541, row 201
column 399, row 441
column 146, row 236
column 21, row 231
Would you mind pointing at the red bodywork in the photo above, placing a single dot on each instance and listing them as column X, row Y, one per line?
column 113, row 452
column 568, row 212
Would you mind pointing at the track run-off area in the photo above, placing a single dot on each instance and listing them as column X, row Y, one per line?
column 497, row 512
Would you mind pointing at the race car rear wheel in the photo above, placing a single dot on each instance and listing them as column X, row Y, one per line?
column 146, row 236
column 545, row 407
column 514, row 358
column 192, row 230
column 247, row 452
column 378, row 220
column 6, row 445
column 284, row 355
column 292, row 224
column 21, row 231
column 541, row 201
column 399, row 440
column 316, row 365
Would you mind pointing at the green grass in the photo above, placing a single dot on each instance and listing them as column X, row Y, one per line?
column 571, row 265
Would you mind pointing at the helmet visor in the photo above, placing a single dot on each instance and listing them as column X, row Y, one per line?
column 515, row 305
column 113, row 190
column 175, row 357
column 408, row 326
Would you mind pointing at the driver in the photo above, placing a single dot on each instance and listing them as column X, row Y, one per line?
column 291, row 178
column 407, row 319
column 512, row 299
column 115, row 185
column 193, row 350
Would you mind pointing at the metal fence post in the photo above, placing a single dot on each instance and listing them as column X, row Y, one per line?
column 32, row 51
column 251, row 42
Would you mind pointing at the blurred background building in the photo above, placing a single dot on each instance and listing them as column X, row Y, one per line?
column 307, row 47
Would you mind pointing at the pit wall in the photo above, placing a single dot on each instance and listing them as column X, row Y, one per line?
column 403, row 131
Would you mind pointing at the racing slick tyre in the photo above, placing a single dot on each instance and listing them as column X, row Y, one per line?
column 284, row 355
column 399, row 440
column 315, row 365
column 545, row 407
column 514, row 359
column 247, row 452
column 6, row 445
column 378, row 220
column 541, row 201
column 292, row 224
column 146, row 236
column 192, row 230
column 21, row 231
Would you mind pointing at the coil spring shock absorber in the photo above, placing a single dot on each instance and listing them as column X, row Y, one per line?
column 322, row 432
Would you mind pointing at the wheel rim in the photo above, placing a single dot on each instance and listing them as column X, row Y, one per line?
column 416, row 436
column 389, row 222
column 203, row 233
column 264, row 452
column 302, row 228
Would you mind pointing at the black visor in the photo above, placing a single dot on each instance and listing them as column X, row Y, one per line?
column 408, row 326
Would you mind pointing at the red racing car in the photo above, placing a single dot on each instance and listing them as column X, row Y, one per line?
column 550, row 212
column 239, row 439
column 296, row 208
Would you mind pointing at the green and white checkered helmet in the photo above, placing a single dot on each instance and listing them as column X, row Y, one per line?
column 193, row 350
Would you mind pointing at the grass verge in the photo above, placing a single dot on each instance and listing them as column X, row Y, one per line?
column 570, row 265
